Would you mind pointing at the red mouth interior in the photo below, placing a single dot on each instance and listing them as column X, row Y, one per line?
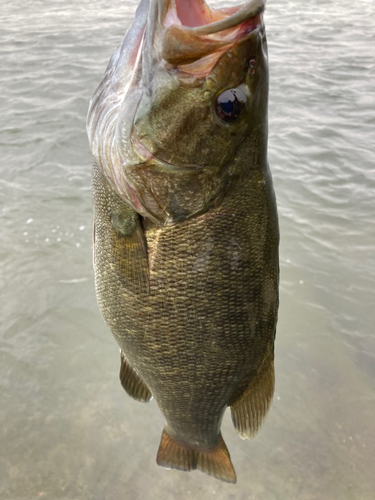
column 192, row 12
column 196, row 13
column 197, row 36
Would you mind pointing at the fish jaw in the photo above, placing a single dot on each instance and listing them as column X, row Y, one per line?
column 202, row 33
column 172, row 46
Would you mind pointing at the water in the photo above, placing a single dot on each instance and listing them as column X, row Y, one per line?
column 68, row 430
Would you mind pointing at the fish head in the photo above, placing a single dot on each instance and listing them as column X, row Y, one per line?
column 183, row 106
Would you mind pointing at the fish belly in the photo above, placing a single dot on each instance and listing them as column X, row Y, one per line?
column 200, row 325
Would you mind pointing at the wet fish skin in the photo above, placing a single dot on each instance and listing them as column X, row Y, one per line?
column 189, row 285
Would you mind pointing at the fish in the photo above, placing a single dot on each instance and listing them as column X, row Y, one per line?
column 186, row 234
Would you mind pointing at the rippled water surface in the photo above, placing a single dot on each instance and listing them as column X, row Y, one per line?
column 68, row 431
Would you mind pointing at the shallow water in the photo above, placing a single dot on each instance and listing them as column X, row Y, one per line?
column 68, row 430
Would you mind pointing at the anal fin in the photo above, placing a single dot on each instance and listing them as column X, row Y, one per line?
column 250, row 409
column 132, row 383
column 215, row 461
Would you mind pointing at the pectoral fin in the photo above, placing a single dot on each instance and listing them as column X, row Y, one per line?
column 119, row 240
column 132, row 383
column 250, row 409
column 129, row 249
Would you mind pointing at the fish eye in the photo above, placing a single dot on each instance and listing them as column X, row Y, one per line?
column 229, row 104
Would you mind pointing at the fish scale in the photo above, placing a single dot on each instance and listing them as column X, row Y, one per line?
column 186, row 254
column 176, row 309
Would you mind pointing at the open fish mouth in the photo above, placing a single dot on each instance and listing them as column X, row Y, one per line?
column 188, row 36
column 159, row 82
column 194, row 31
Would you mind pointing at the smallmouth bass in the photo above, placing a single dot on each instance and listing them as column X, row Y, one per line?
column 185, row 222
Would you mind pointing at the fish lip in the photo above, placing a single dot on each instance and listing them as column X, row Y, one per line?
column 241, row 14
column 245, row 12
column 182, row 45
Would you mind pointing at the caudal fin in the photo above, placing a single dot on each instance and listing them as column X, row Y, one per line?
column 175, row 454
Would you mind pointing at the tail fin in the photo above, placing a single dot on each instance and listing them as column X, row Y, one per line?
column 175, row 454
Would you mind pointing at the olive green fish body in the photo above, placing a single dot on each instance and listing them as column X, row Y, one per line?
column 186, row 254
